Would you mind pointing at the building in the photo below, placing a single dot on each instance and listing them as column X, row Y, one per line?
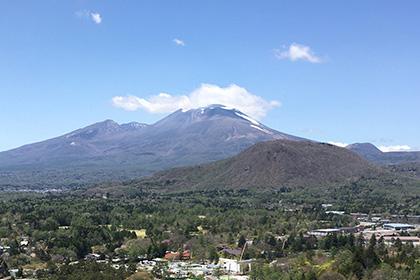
column 327, row 231
column 231, row 253
column 340, row 213
column 92, row 257
column 175, row 256
column 367, row 224
column 323, row 232
column 367, row 234
column 234, row 266
column 172, row 256
column 397, row 226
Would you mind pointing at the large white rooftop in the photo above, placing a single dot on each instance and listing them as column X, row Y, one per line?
column 397, row 225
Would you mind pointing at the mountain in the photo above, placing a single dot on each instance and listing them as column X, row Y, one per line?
column 373, row 154
column 89, row 142
column 271, row 165
column 366, row 150
column 107, row 150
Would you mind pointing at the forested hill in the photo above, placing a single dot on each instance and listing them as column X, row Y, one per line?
column 272, row 164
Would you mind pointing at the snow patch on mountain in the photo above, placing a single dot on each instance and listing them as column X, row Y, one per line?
column 261, row 129
column 247, row 118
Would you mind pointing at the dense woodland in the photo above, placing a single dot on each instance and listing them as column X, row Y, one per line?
column 65, row 228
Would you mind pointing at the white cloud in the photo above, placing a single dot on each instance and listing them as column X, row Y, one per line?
column 395, row 148
column 297, row 52
column 90, row 15
column 179, row 42
column 96, row 17
column 232, row 96
column 339, row 144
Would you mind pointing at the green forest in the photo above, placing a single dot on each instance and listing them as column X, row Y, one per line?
column 62, row 229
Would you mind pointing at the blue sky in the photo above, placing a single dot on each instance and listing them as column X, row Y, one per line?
column 342, row 72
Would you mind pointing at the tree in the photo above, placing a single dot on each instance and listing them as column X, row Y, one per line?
column 357, row 262
column 4, row 270
column 141, row 275
column 381, row 248
column 415, row 273
column 371, row 260
column 343, row 262
column 14, row 247
column 213, row 256
column 241, row 241
column 331, row 275
column 218, row 272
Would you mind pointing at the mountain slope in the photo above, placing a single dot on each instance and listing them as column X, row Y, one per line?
column 373, row 154
column 409, row 169
column 81, row 144
column 107, row 150
column 272, row 164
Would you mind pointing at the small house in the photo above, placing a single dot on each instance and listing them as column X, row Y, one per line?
column 235, row 266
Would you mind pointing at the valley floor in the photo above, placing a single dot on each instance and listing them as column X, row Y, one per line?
column 205, row 235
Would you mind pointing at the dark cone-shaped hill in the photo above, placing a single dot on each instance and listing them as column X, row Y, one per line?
column 272, row 164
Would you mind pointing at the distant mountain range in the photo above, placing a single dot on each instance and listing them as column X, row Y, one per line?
column 109, row 151
column 373, row 154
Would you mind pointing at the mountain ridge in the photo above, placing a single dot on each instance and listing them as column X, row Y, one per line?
column 180, row 139
column 373, row 154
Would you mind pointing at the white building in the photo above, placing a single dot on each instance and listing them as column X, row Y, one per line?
column 328, row 231
column 234, row 266
column 397, row 226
